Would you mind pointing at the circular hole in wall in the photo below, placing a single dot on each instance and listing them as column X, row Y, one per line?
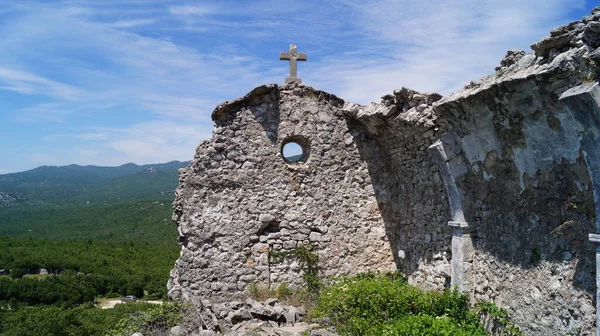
column 295, row 149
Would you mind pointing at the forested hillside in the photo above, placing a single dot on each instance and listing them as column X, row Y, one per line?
column 100, row 232
column 76, row 185
column 140, row 222
column 86, row 270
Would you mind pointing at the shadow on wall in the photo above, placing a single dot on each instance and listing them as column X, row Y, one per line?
column 526, row 220
column 548, row 220
column 411, row 199
column 268, row 118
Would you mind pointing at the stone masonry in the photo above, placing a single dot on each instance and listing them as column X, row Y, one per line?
column 493, row 190
column 240, row 199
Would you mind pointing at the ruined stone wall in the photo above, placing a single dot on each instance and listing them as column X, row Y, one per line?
column 493, row 189
column 526, row 183
column 239, row 199
column 519, row 152
column 529, row 190
column 368, row 197
column 408, row 186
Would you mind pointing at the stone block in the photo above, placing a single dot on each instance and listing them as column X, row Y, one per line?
column 315, row 237
column 266, row 218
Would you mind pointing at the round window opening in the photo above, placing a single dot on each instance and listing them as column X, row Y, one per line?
column 295, row 150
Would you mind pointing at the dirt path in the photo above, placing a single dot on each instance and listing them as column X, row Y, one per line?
column 110, row 303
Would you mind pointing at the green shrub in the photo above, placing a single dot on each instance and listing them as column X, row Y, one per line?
column 86, row 320
column 384, row 304
column 309, row 263
column 426, row 325
column 150, row 319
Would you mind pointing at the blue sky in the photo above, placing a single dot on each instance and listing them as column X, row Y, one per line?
column 110, row 82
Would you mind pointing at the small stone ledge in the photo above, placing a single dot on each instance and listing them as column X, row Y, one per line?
column 463, row 225
column 512, row 57
column 544, row 47
column 578, row 90
column 403, row 108
column 594, row 238
column 406, row 98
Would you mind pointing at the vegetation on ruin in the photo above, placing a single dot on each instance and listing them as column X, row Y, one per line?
column 309, row 264
column 497, row 319
column 385, row 304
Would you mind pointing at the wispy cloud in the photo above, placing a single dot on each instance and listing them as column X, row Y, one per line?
column 92, row 136
column 149, row 142
column 47, row 112
column 433, row 46
column 29, row 83
column 19, row 89
column 190, row 108
column 58, row 112
column 187, row 10
column 131, row 23
column 136, row 80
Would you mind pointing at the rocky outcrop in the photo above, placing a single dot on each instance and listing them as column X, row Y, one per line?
column 574, row 35
column 492, row 190
column 9, row 199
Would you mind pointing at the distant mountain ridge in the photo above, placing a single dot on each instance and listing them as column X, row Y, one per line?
column 75, row 184
column 87, row 173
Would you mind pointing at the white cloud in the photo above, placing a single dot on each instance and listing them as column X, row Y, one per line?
column 131, row 23
column 432, row 45
column 157, row 141
column 92, row 136
column 192, row 10
column 179, row 107
column 29, row 83
column 88, row 62
column 143, row 143
column 149, row 73
column 46, row 112
column 20, row 89
column 58, row 112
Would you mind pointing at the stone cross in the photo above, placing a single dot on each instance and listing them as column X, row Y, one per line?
column 293, row 56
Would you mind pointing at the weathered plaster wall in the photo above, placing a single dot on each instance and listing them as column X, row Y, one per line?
column 532, row 199
column 528, row 184
column 514, row 152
